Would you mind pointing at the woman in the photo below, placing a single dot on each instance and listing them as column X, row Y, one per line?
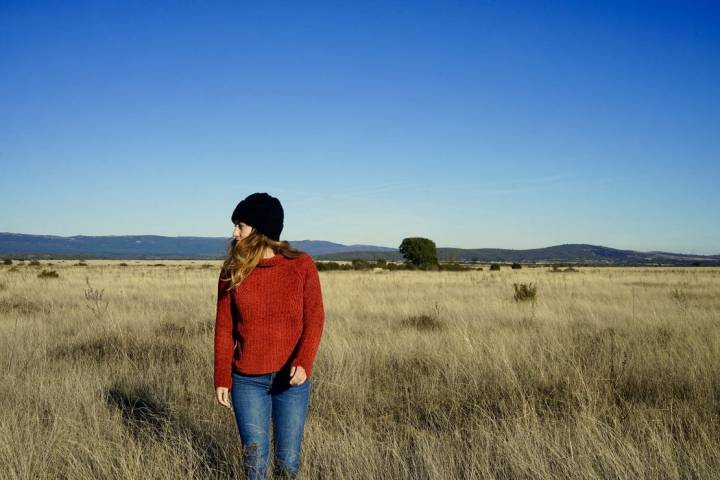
column 270, row 307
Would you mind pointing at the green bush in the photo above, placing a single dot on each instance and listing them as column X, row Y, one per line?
column 322, row 266
column 358, row 264
column 332, row 265
column 516, row 266
column 7, row 261
column 494, row 267
column 34, row 263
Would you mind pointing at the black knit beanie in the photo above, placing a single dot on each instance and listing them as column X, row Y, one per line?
column 261, row 211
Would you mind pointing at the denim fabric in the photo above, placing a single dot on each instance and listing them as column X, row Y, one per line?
column 258, row 398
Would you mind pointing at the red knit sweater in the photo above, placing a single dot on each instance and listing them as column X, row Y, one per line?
column 274, row 315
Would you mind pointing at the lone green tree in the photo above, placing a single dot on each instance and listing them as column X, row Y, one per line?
column 420, row 252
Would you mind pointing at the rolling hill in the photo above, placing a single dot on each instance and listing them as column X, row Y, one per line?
column 155, row 247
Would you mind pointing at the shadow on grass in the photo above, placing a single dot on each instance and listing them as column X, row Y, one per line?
column 148, row 418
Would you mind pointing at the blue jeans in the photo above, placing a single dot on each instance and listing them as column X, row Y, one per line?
column 257, row 398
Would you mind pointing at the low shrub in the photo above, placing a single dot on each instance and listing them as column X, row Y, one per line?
column 171, row 328
column 358, row 264
column 524, row 292
column 323, row 266
column 48, row 274
column 680, row 297
column 423, row 322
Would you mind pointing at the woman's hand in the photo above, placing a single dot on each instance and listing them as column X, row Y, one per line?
column 221, row 394
column 297, row 375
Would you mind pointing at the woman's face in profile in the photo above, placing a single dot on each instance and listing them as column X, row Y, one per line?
column 241, row 230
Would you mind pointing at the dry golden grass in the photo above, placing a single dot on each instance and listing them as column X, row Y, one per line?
column 611, row 373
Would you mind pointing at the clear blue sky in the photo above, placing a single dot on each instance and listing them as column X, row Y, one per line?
column 476, row 124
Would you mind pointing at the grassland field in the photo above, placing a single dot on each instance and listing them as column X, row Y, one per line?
column 106, row 372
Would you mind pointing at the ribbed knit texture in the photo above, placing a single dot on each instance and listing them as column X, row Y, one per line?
column 275, row 315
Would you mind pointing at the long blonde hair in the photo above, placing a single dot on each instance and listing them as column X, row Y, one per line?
column 244, row 254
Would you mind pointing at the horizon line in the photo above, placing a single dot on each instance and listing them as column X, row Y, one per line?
column 374, row 245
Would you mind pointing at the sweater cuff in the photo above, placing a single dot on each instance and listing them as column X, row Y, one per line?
column 223, row 380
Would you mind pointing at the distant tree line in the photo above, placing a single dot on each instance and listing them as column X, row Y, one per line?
column 419, row 254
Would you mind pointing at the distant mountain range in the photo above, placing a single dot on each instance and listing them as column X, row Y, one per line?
column 155, row 247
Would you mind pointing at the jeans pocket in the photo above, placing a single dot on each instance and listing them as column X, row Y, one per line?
column 305, row 384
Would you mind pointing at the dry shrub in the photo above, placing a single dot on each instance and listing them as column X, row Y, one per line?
column 423, row 322
column 680, row 297
column 524, row 292
column 48, row 274
column 171, row 328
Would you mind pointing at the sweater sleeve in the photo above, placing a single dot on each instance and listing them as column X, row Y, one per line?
column 224, row 341
column 313, row 318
